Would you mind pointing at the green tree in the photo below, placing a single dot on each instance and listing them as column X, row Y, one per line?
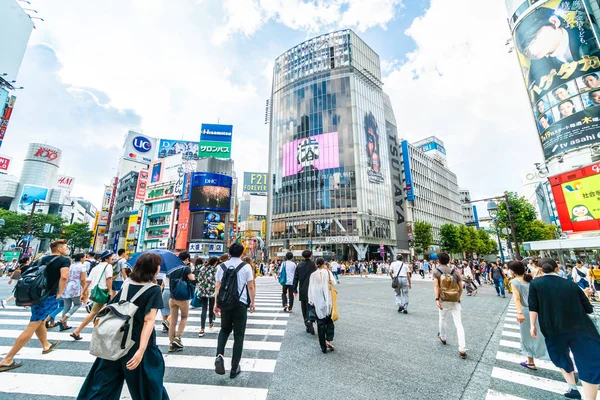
column 523, row 214
column 423, row 236
column 486, row 244
column 78, row 236
column 464, row 239
column 15, row 226
column 449, row 238
column 538, row 230
column 474, row 240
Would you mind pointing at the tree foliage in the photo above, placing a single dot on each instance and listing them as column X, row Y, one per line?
column 487, row 245
column 78, row 236
column 449, row 238
column 423, row 236
column 523, row 214
column 538, row 230
column 15, row 226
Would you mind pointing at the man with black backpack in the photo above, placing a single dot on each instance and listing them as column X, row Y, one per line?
column 40, row 287
column 234, row 292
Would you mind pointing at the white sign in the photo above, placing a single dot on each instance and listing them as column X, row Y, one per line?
column 341, row 239
column 174, row 172
column 65, row 183
column 140, row 148
column 212, row 247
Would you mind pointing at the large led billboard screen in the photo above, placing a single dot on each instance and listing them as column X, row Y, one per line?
column 560, row 59
column 168, row 147
column 317, row 152
column 210, row 192
column 15, row 30
column 30, row 194
column 577, row 197
column 214, row 226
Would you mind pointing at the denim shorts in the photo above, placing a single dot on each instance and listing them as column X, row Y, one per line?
column 44, row 309
column 585, row 351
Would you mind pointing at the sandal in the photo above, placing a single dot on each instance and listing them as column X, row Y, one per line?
column 13, row 365
column 210, row 326
column 529, row 366
column 63, row 327
column 329, row 346
column 75, row 336
column 52, row 347
column 201, row 334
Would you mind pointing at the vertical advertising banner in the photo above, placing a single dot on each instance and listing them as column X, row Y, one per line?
column 5, row 117
column 5, row 164
column 183, row 227
column 410, row 193
column 373, row 149
column 142, row 185
column 215, row 141
column 558, row 51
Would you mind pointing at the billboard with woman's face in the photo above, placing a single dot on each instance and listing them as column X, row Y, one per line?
column 559, row 54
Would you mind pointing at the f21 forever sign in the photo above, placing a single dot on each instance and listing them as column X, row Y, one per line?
column 560, row 58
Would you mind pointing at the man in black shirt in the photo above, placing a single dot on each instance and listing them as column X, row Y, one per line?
column 563, row 310
column 57, row 275
column 302, row 277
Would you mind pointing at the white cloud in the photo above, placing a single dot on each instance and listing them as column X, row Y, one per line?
column 248, row 16
column 462, row 85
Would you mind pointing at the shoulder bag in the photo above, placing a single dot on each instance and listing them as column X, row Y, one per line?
column 99, row 295
column 334, row 311
column 395, row 283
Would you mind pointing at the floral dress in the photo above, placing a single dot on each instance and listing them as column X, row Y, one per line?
column 73, row 288
column 206, row 281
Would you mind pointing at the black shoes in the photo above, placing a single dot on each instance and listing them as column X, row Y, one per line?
column 462, row 354
column 220, row 365
column 441, row 340
column 235, row 372
column 400, row 309
column 573, row 394
column 310, row 329
column 405, row 311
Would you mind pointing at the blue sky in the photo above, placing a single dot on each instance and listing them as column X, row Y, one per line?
column 94, row 70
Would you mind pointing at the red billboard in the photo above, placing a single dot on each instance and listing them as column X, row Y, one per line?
column 183, row 224
column 577, row 197
column 4, row 164
column 142, row 185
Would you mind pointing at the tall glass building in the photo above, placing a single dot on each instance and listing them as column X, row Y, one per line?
column 330, row 154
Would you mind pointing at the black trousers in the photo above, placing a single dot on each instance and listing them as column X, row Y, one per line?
column 233, row 320
column 208, row 304
column 422, row 273
column 326, row 331
column 288, row 292
column 304, row 305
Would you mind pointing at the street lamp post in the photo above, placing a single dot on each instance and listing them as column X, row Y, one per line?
column 492, row 209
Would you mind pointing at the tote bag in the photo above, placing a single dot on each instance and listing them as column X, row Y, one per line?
column 334, row 311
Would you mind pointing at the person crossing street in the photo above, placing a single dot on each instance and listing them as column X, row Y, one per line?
column 286, row 279
column 302, row 278
column 399, row 271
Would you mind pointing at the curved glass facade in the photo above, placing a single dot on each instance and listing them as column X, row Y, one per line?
column 328, row 149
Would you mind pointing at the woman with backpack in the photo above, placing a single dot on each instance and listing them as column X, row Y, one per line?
column 530, row 347
column 181, row 280
column 320, row 296
column 14, row 277
column 72, row 294
column 143, row 367
column 205, row 291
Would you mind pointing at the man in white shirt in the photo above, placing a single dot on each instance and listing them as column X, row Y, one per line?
column 335, row 269
column 235, row 319
column 400, row 271
column 287, row 295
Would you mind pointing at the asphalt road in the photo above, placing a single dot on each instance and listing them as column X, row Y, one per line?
column 381, row 354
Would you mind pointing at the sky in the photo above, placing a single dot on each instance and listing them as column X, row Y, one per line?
column 94, row 70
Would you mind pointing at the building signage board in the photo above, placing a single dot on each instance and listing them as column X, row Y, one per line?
column 342, row 239
column 65, row 183
column 29, row 194
column 106, row 197
column 169, row 147
column 410, row 193
column 212, row 247
column 142, row 185
column 563, row 86
column 255, row 182
column 432, row 146
column 215, row 141
column 139, row 148
column 5, row 164
column 173, row 172
column 160, row 191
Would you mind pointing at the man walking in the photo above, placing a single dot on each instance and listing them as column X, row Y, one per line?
column 119, row 272
column 302, row 277
column 289, row 269
column 233, row 270
column 448, row 290
column 57, row 275
column 497, row 277
column 400, row 271
column 335, row 269
column 563, row 308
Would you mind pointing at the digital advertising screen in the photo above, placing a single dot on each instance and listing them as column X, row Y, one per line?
column 373, row 149
column 30, row 194
column 318, row 152
column 210, row 192
column 168, row 147
column 559, row 57
column 214, row 226
column 577, row 197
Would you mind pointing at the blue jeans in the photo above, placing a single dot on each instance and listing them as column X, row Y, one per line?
column 335, row 274
column 499, row 285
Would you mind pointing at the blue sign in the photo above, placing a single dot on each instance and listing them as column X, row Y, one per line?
column 116, row 243
column 210, row 192
column 433, row 146
column 216, row 133
column 410, row 192
column 142, row 144
column 167, row 147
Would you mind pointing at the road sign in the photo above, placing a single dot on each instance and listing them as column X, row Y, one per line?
column 472, row 223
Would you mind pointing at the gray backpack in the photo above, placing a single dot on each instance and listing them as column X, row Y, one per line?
column 111, row 338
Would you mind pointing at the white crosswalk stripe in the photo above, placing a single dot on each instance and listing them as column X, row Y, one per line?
column 511, row 381
column 62, row 372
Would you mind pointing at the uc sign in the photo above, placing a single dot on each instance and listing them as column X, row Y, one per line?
column 47, row 153
column 142, row 144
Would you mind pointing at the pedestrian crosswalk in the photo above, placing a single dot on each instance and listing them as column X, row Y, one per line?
column 511, row 381
column 189, row 374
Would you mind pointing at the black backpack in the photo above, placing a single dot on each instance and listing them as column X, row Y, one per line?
column 93, row 263
column 229, row 295
column 32, row 287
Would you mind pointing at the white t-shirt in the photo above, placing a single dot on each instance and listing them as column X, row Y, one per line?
column 243, row 277
column 96, row 275
column 121, row 264
column 335, row 267
column 399, row 266
column 290, row 270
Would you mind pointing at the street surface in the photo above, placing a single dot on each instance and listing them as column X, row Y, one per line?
column 380, row 354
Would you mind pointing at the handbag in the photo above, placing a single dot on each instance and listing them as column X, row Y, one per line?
column 196, row 303
column 334, row 311
column 99, row 295
column 311, row 314
column 182, row 289
column 283, row 275
column 395, row 280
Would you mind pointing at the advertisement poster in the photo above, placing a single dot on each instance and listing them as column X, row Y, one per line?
column 140, row 148
column 30, row 194
column 65, row 183
column 160, row 191
column 410, row 194
column 255, row 182
column 373, row 150
column 156, row 170
column 169, row 147
column 215, row 141
column 183, row 227
column 173, row 171
column 559, row 57
column 142, row 185
column 577, row 197
column 214, row 226
column 318, row 152
column 5, row 164
column 210, row 192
